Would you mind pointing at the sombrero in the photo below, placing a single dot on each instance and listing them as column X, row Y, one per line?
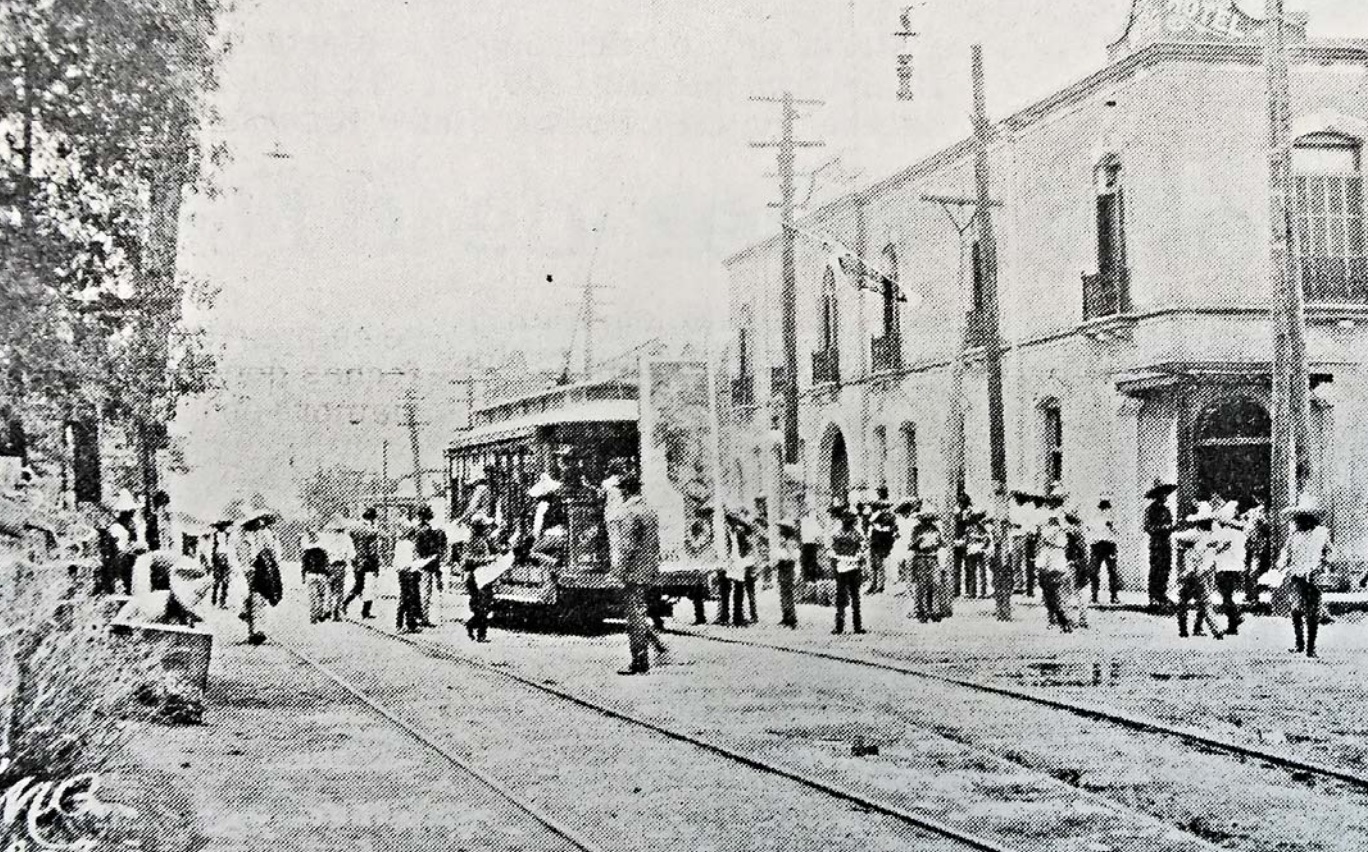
column 124, row 502
column 1304, row 508
column 1159, row 490
column 1204, row 513
column 544, row 486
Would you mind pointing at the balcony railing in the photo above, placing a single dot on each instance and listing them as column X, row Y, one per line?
column 1106, row 294
column 1335, row 280
column 886, row 353
column 826, row 367
column 743, row 390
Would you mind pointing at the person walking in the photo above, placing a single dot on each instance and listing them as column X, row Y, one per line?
column 220, row 558
column 1228, row 542
column 366, row 565
column 786, row 568
column 1023, row 526
column 1194, row 582
column 1101, row 532
column 337, row 542
column 927, row 543
column 1052, row 568
column 635, row 530
column 258, row 551
column 741, row 566
column 479, row 552
column 430, row 549
column 408, row 615
column 1076, row 552
column 848, row 548
column 1304, row 559
column 1159, row 527
column 883, row 533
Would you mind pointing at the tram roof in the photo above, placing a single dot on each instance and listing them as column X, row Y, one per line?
column 590, row 411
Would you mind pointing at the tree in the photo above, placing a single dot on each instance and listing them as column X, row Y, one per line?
column 335, row 491
column 102, row 103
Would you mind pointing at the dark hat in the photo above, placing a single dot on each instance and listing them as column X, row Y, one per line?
column 788, row 528
column 424, row 513
column 906, row 507
column 370, row 514
column 1159, row 490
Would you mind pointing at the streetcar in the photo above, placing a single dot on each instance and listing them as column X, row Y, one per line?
column 576, row 434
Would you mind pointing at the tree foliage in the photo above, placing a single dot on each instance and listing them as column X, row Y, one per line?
column 102, row 104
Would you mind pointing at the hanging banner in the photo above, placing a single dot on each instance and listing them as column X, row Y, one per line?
column 677, row 437
column 1153, row 21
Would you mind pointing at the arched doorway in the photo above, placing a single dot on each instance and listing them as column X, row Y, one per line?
column 840, row 468
column 1232, row 451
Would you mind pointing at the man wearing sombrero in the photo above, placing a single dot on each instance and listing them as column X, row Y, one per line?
column 1304, row 558
column 1199, row 568
column 1159, row 527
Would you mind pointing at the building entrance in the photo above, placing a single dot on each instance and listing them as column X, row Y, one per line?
column 1232, row 451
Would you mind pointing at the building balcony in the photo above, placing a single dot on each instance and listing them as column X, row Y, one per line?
column 826, row 367
column 1106, row 294
column 1335, row 280
column 886, row 353
column 743, row 391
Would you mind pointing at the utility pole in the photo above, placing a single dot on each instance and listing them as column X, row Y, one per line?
column 1291, row 462
column 411, row 418
column 787, row 156
column 992, row 344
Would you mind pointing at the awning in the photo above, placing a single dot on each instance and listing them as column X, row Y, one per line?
column 597, row 411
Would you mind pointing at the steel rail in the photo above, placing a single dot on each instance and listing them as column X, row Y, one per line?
column 550, row 823
column 759, row 764
column 1103, row 714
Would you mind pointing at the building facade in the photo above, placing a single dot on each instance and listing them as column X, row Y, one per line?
column 1133, row 250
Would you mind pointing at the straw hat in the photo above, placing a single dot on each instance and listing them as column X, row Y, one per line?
column 1305, row 507
column 337, row 523
column 1204, row 513
column 1160, row 489
column 124, row 502
column 544, row 486
column 1229, row 511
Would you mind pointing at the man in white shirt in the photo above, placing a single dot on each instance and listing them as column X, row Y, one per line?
column 1101, row 532
column 1304, row 557
column 810, row 534
column 1228, row 543
column 1197, row 569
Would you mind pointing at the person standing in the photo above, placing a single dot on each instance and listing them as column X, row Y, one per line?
column 341, row 550
column 786, row 568
column 848, row 549
column 764, row 570
column 978, row 554
column 1194, row 583
column 258, row 551
column 927, row 543
column 430, row 549
column 883, row 533
column 635, row 530
column 959, row 580
column 1258, row 542
column 1304, row 558
column 314, row 570
column 126, row 545
column 1076, row 552
column 740, row 567
column 1228, row 542
column 1021, row 523
column 408, row 615
column 220, row 562
column 1159, row 527
column 905, row 517
column 1052, row 568
column 479, row 552
column 1102, row 551
column 810, row 535
column 366, row 566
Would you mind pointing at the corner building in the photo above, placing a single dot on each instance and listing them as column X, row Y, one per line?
column 1133, row 247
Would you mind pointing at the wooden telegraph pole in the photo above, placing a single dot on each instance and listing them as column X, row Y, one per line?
column 1291, row 464
column 992, row 343
column 787, row 155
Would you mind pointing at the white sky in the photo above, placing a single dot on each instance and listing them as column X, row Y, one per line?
column 446, row 155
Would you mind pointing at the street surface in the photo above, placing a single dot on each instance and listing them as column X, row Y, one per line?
column 288, row 759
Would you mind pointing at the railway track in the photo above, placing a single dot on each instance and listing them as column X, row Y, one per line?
column 807, row 779
column 1191, row 736
column 571, row 838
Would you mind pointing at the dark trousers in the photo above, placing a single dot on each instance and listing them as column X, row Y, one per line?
column 409, row 615
column 788, row 611
column 1306, row 614
column 218, row 593
column 358, row 587
column 1226, row 583
column 478, row 625
column 1192, row 589
column 638, row 627
column 126, row 572
column 700, row 617
column 1052, row 586
column 848, row 594
column 1104, row 553
column 750, row 596
column 975, row 575
column 738, row 589
column 878, row 571
column 1160, row 564
column 924, row 568
column 808, row 555
column 724, row 593
column 958, row 577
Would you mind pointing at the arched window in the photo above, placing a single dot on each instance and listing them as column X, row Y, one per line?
column 1052, row 432
column 1329, row 214
column 829, row 316
column 911, row 470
